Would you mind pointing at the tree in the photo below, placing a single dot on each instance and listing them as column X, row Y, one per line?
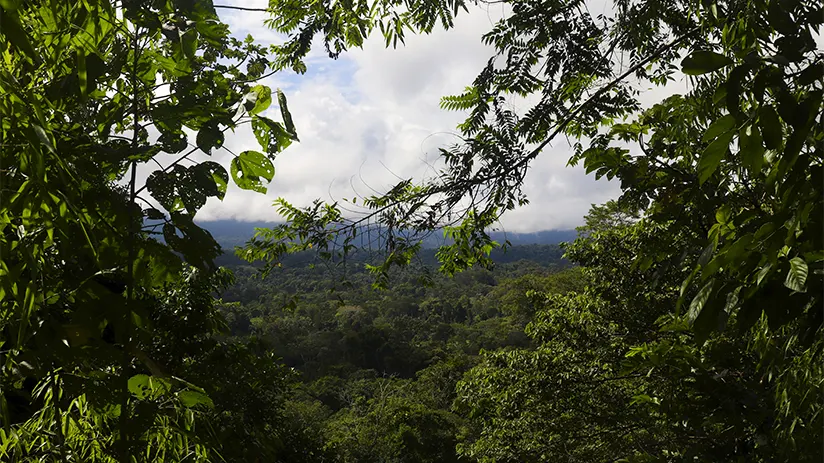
column 90, row 310
column 615, row 376
column 391, row 422
column 515, row 296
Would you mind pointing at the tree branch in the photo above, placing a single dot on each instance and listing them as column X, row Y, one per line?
column 231, row 7
column 564, row 122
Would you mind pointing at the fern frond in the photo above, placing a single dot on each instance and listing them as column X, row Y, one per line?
column 462, row 102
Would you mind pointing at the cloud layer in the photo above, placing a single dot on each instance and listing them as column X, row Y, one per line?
column 372, row 116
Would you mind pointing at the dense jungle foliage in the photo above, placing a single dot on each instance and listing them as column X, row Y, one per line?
column 684, row 324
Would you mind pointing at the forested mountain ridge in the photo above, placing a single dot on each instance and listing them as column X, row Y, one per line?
column 539, row 247
column 537, row 253
column 231, row 233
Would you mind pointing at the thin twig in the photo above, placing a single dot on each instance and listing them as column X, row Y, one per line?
column 166, row 169
column 242, row 8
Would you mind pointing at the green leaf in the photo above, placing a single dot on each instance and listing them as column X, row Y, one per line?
column 11, row 29
column 43, row 137
column 213, row 31
column 209, row 136
column 699, row 301
column 271, row 135
column 10, row 5
column 153, row 214
column 771, row 127
column 145, row 386
column 812, row 73
column 780, row 19
column 174, row 68
column 733, row 85
column 188, row 42
column 188, row 187
column 161, row 186
column 249, row 168
column 733, row 252
column 720, row 126
column 764, row 231
column 644, row 399
column 173, row 142
column 197, row 245
column 139, row 386
column 211, row 178
column 752, row 149
column 197, row 9
column 712, row 156
column 684, row 286
column 287, row 116
column 258, row 99
column 759, row 277
column 732, row 302
column 797, row 276
column 702, row 62
column 192, row 189
column 82, row 75
column 194, row 398
column 723, row 214
column 713, row 316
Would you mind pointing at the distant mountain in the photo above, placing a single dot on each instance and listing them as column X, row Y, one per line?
column 231, row 233
column 541, row 237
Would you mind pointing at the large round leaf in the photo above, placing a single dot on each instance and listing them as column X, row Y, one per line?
column 209, row 136
column 250, row 168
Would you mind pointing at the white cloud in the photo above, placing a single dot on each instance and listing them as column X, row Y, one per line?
column 373, row 114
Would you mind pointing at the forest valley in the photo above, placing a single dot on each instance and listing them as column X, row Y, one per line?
column 539, row 359
column 683, row 324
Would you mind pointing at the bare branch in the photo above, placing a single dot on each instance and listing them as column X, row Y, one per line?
column 242, row 8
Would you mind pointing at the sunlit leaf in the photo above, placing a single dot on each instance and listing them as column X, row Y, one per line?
column 194, row 398
column 250, row 169
column 11, row 29
column 713, row 155
column 287, row 116
column 258, row 99
column 702, row 62
column 188, row 42
column 271, row 135
column 699, row 301
column 139, row 386
column 82, row 75
column 752, row 149
column 797, row 276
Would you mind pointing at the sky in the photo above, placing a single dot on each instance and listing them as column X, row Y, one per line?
column 372, row 116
